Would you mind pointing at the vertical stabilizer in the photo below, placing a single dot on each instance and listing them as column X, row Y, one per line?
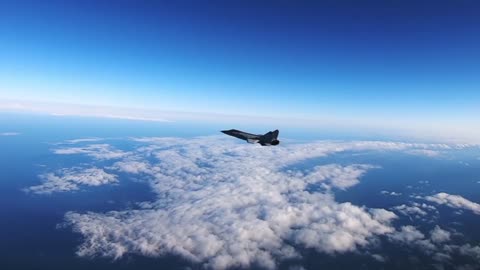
column 270, row 138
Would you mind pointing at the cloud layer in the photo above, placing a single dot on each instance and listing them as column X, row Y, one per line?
column 230, row 205
column 222, row 204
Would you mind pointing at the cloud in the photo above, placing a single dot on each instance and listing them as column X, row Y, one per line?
column 439, row 235
column 98, row 151
column 82, row 140
column 391, row 193
column 9, row 134
column 410, row 210
column 132, row 166
column 416, row 210
column 420, row 127
column 379, row 258
column 471, row 251
column 424, row 152
column 407, row 234
column 438, row 247
column 71, row 179
column 65, row 109
column 454, row 201
column 224, row 204
column 334, row 175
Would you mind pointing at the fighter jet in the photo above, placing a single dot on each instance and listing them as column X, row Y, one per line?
column 269, row 138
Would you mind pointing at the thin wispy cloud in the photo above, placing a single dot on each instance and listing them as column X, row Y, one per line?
column 62, row 110
column 424, row 152
column 9, row 133
column 82, row 140
column 98, row 151
column 450, row 132
column 391, row 193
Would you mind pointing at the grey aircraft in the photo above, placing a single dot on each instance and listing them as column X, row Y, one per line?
column 269, row 138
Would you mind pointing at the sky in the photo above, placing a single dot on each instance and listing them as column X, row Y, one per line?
column 400, row 65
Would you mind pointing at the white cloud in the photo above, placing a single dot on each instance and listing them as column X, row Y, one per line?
column 407, row 210
column 424, row 152
column 391, row 193
column 9, row 134
column 438, row 246
column 398, row 126
column 224, row 204
column 379, row 258
column 471, row 251
column 454, row 201
column 71, row 179
column 98, row 151
column 419, row 211
column 407, row 234
column 82, row 140
column 65, row 109
column 335, row 175
column 438, row 235
column 132, row 166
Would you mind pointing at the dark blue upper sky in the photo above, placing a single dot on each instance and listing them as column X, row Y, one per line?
column 345, row 58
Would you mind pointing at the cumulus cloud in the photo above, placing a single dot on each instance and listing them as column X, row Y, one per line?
column 415, row 210
column 438, row 247
column 223, row 204
column 407, row 234
column 132, row 166
column 438, row 235
column 334, row 175
column 233, row 205
column 471, row 251
column 454, row 201
column 71, row 179
column 410, row 210
column 98, row 151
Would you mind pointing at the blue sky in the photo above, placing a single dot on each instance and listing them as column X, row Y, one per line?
column 369, row 61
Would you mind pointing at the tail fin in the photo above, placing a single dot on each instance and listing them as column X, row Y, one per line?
column 271, row 136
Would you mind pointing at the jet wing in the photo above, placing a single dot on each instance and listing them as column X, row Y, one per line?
column 251, row 138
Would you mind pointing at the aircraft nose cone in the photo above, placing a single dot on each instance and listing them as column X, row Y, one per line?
column 228, row 132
